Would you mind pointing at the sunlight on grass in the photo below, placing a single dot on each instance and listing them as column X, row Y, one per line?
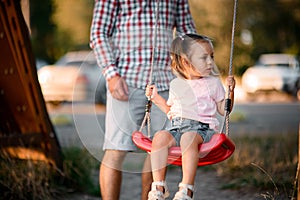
column 237, row 116
column 30, row 179
column 266, row 163
column 61, row 120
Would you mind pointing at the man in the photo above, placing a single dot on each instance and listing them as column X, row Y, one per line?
column 123, row 37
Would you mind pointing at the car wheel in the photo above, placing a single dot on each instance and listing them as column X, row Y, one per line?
column 296, row 92
column 298, row 95
column 55, row 103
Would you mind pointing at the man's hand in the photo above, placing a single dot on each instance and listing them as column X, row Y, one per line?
column 118, row 88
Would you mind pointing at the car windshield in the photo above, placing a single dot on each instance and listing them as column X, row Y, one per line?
column 78, row 64
column 278, row 60
column 286, row 65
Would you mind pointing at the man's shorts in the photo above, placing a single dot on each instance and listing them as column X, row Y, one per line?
column 125, row 117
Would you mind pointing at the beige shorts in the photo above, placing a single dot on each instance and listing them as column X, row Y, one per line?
column 125, row 117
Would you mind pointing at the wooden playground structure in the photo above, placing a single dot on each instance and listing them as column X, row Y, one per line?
column 26, row 131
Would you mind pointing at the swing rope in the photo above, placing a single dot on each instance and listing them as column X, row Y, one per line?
column 228, row 101
column 150, row 81
column 147, row 118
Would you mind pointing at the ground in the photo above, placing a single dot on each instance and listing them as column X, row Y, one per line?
column 208, row 187
column 208, row 184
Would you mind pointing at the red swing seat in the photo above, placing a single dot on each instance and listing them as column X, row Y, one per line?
column 219, row 148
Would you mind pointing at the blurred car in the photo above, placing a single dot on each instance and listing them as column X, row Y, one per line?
column 278, row 72
column 60, row 84
column 74, row 77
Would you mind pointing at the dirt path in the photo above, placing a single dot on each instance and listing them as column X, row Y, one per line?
column 208, row 187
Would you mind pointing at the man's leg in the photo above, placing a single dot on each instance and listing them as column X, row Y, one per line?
column 146, row 178
column 110, row 176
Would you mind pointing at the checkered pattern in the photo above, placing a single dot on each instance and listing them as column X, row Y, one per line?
column 122, row 35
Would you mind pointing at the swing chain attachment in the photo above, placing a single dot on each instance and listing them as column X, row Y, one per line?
column 147, row 119
column 148, row 106
column 227, row 105
column 227, row 112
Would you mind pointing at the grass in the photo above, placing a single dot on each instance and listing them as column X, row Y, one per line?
column 262, row 163
column 265, row 163
column 79, row 166
column 24, row 179
column 29, row 179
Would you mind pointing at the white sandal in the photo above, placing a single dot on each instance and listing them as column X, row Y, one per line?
column 156, row 194
column 182, row 194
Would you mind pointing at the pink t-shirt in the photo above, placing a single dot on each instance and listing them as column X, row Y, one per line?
column 196, row 99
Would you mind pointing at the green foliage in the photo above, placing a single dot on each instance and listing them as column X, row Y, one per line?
column 273, row 24
column 42, row 28
column 78, row 170
column 56, row 29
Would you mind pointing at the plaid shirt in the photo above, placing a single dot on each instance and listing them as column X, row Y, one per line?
column 122, row 35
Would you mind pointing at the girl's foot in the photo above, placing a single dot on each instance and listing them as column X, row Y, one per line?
column 185, row 192
column 156, row 194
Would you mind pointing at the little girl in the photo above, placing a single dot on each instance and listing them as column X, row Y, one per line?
column 195, row 96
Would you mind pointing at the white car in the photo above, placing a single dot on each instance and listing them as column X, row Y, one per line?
column 278, row 72
column 74, row 77
column 62, row 84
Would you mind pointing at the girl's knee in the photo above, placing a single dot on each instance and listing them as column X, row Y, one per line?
column 163, row 138
column 190, row 139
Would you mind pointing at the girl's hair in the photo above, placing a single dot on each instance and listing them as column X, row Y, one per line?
column 181, row 47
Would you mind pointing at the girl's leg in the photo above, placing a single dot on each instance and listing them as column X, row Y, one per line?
column 190, row 155
column 161, row 143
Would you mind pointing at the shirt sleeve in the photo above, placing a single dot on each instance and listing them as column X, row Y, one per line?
column 184, row 20
column 170, row 102
column 170, row 99
column 220, row 91
column 104, row 15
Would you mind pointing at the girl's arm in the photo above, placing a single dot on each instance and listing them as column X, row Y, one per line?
column 159, row 101
column 231, row 85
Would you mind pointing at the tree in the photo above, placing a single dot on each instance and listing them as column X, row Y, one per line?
column 275, row 25
column 263, row 26
column 59, row 26
column 42, row 28
column 270, row 26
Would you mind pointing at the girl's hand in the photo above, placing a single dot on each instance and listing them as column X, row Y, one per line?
column 151, row 92
column 230, row 83
column 152, row 95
